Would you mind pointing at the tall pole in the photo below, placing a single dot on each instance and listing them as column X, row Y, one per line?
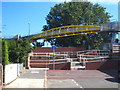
column 29, row 30
column 53, row 59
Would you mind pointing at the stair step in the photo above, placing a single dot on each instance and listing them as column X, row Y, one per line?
column 38, row 68
column 78, row 66
column 81, row 69
column 73, row 58
column 75, row 64
column 75, row 61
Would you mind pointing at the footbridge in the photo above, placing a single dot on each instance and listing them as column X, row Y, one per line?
column 77, row 30
column 74, row 59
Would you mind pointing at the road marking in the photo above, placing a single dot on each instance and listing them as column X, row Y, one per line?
column 45, row 80
column 77, row 84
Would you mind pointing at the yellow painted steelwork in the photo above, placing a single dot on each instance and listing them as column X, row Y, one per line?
column 67, row 31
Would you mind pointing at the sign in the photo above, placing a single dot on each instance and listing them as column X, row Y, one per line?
column 53, row 47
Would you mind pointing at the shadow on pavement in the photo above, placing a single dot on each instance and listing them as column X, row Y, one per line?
column 112, row 73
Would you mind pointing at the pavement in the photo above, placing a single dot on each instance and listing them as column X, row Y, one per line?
column 82, row 79
column 38, row 79
column 32, row 78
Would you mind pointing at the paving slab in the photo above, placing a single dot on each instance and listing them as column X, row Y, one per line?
column 32, row 78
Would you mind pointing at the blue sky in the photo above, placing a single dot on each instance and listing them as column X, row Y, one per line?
column 16, row 15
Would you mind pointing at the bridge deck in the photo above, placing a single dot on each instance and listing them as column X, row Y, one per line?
column 77, row 30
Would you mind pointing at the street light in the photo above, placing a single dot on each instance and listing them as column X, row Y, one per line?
column 29, row 30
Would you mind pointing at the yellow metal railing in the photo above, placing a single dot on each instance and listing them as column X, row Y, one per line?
column 77, row 30
column 67, row 31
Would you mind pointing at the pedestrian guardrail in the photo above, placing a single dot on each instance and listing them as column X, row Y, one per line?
column 51, row 58
column 88, row 56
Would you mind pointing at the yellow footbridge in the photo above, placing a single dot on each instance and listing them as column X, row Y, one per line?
column 73, row 30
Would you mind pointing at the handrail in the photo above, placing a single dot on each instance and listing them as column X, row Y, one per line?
column 65, row 55
column 92, row 56
column 51, row 63
column 51, row 60
column 94, row 52
column 96, row 58
column 51, row 54
column 67, row 31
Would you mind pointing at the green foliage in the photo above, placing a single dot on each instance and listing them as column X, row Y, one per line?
column 77, row 13
column 18, row 50
column 5, row 53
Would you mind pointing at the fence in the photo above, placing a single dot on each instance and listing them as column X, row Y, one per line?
column 94, row 52
column 48, row 60
column 89, row 56
column 64, row 54
column 12, row 71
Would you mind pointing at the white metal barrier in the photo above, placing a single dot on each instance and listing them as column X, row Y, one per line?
column 65, row 54
column 88, row 56
column 95, row 52
column 12, row 71
column 65, row 59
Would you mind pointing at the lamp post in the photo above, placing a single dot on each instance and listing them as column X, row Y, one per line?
column 29, row 30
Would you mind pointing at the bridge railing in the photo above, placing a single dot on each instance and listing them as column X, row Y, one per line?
column 113, row 26
column 77, row 30
column 67, row 30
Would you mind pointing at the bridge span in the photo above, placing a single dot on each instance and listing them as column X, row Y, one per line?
column 77, row 30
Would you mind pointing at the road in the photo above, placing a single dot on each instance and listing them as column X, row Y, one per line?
column 82, row 79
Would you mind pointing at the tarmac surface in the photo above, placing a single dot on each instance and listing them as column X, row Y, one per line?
column 36, row 79
column 82, row 79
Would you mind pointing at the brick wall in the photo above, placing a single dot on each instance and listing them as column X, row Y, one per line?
column 38, row 49
column 63, row 66
column 46, row 61
column 105, row 65
column 72, row 51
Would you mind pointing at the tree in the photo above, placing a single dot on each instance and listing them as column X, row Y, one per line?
column 12, row 51
column 18, row 50
column 23, row 48
column 76, row 13
column 5, row 53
